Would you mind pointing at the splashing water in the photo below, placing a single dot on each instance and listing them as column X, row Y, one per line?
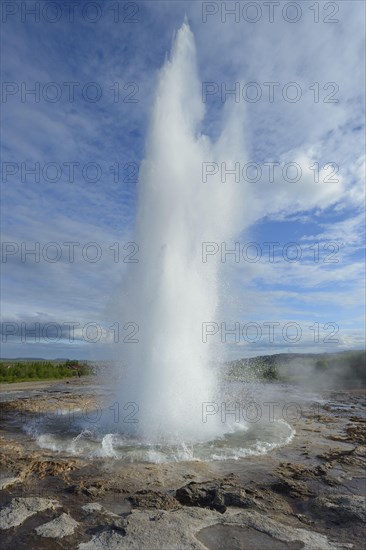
column 171, row 292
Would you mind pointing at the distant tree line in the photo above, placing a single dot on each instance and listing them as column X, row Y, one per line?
column 21, row 371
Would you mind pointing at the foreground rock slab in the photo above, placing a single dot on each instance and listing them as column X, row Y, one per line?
column 310, row 539
column 21, row 509
column 58, row 528
column 183, row 528
column 107, row 540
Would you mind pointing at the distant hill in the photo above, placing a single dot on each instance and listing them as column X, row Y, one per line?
column 58, row 359
column 10, row 359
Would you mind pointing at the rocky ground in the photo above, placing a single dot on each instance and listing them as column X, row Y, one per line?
column 307, row 495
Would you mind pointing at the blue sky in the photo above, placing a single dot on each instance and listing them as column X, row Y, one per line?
column 325, row 219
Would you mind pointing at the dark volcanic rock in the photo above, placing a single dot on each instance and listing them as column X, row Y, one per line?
column 341, row 508
column 288, row 486
column 297, row 480
column 215, row 495
column 357, row 433
column 95, row 489
column 153, row 499
column 337, row 454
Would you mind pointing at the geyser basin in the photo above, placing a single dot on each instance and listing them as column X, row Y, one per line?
column 57, row 434
column 101, row 433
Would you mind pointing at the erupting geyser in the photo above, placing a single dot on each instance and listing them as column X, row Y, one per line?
column 166, row 403
column 170, row 292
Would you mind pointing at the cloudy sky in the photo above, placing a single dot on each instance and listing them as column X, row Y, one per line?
column 78, row 86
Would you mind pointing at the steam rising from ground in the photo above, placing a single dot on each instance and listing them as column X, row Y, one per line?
column 170, row 292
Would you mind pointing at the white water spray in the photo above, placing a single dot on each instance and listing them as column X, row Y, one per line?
column 170, row 292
